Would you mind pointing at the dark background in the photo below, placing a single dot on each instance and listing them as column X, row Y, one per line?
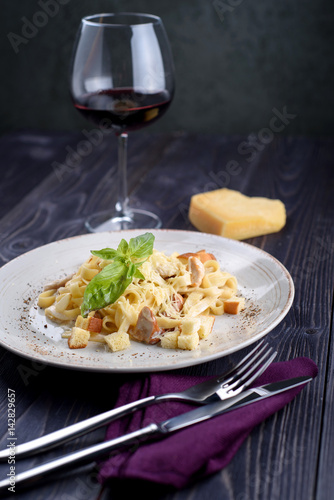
column 235, row 61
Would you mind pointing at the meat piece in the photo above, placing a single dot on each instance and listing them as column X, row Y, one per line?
column 165, row 272
column 197, row 271
column 146, row 329
column 58, row 283
column 95, row 324
column 167, row 269
column 185, row 256
column 202, row 255
column 177, row 302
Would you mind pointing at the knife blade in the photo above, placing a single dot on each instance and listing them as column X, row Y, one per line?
column 157, row 430
column 244, row 398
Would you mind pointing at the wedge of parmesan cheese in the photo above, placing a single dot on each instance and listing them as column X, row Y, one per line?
column 233, row 215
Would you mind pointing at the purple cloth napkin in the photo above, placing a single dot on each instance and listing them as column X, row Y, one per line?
column 201, row 449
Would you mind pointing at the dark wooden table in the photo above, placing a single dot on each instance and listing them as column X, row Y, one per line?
column 291, row 454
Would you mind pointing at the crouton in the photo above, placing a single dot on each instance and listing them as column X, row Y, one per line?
column 234, row 305
column 117, row 341
column 79, row 338
column 190, row 325
column 169, row 339
column 188, row 342
column 82, row 323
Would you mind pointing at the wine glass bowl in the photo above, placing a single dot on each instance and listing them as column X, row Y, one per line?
column 122, row 79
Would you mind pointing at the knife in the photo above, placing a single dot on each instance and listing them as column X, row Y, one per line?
column 157, row 430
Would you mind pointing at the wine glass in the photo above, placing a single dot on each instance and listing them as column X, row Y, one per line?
column 122, row 79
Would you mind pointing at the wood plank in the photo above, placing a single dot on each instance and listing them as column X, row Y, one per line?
column 324, row 487
column 26, row 159
column 287, row 443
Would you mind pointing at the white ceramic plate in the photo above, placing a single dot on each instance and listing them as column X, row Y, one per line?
column 24, row 330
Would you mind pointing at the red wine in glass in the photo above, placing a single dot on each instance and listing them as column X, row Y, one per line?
column 123, row 109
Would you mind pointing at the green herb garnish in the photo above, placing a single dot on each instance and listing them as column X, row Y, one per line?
column 109, row 284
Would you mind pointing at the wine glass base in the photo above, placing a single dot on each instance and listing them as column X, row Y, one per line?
column 135, row 219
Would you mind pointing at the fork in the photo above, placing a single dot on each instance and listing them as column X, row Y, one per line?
column 225, row 386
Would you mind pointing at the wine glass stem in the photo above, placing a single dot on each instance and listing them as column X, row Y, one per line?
column 122, row 202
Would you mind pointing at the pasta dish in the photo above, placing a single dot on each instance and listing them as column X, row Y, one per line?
column 171, row 301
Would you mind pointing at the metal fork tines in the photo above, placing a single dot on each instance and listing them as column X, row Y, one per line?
column 246, row 372
column 231, row 380
column 223, row 387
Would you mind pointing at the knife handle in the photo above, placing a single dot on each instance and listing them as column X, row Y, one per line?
column 86, row 454
column 61, row 436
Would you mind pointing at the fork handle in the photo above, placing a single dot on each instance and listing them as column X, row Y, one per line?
column 84, row 455
column 61, row 436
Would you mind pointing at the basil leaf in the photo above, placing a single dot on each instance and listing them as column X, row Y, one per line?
column 141, row 247
column 105, row 253
column 138, row 274
column 123, row 248
column 107, row 286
